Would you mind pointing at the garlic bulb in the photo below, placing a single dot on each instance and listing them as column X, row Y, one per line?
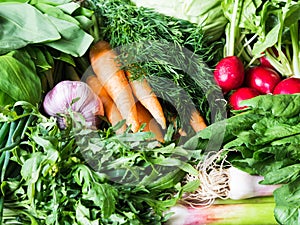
column 75, row 96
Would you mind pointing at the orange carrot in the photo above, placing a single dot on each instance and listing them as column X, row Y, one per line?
column 197, row 122
column 114, row 80
column 151, row 124
column 143, row 92
column 111, row 111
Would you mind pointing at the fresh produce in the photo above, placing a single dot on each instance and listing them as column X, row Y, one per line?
column 220, row 180
column 107, row 174
column 145, row 95
column 265, row 62
column 93, row 175
column 150, row 124
column 262, row 79
column 73, row 97
column 269, row 27
column 58, row 24
column 229, row 73
column 265, row 139
column 289, row 85
column 170, row 53
column 241, row 94
column 19, row 79
column 197, row 121
column 112, row 113
column 208, row 14
column 113, row 78
column 254, row 211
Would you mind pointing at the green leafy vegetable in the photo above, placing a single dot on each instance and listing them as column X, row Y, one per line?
column 18, row 30
column 50, row 23
column 83, row 176
column 19, row 80
column 269, row 28
column 264, row 139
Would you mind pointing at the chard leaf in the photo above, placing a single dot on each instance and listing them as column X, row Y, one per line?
column 56, row 12
column 22, row 24
column 278, row 105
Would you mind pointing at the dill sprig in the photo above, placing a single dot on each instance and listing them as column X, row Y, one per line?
column 172, row 54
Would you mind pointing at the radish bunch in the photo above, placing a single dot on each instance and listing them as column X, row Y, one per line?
column 240, row 84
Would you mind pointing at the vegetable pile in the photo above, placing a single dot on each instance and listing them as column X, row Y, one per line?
column 131, row 112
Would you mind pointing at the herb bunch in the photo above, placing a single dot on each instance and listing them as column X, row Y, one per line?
column 173, row 54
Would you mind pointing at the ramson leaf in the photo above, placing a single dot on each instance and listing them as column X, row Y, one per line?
column 22, row 24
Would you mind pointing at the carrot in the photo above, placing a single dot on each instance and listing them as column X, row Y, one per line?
column 114, row 80
column 197, row 122
column 111, row 111
column 151, row 124
column 143, row 92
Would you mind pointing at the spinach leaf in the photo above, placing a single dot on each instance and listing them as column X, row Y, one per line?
column 276, row 105
column 287, row 200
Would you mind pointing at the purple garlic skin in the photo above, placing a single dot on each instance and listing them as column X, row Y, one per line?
column 76, row 96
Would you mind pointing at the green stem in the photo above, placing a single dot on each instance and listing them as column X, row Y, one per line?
column 256, row 200
column 1, row 209
column 233, row 28
column 239, row 214
column 294, row 30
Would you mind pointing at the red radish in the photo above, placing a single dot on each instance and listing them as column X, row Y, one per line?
column 265, row 62
column 262, row 79
column 289, row 85
column 241, row 94
column 229, row 73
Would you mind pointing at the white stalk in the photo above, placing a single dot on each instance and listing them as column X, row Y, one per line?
column 243, row 185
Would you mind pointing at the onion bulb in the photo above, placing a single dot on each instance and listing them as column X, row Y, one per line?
column 74, row 96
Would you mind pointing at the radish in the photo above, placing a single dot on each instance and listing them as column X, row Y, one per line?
column 262, row 79
column 265, row 62
column 241, row 94
column 289, row 85
column 229, row 73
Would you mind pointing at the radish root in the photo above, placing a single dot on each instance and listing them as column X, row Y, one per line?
column 214, row 178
